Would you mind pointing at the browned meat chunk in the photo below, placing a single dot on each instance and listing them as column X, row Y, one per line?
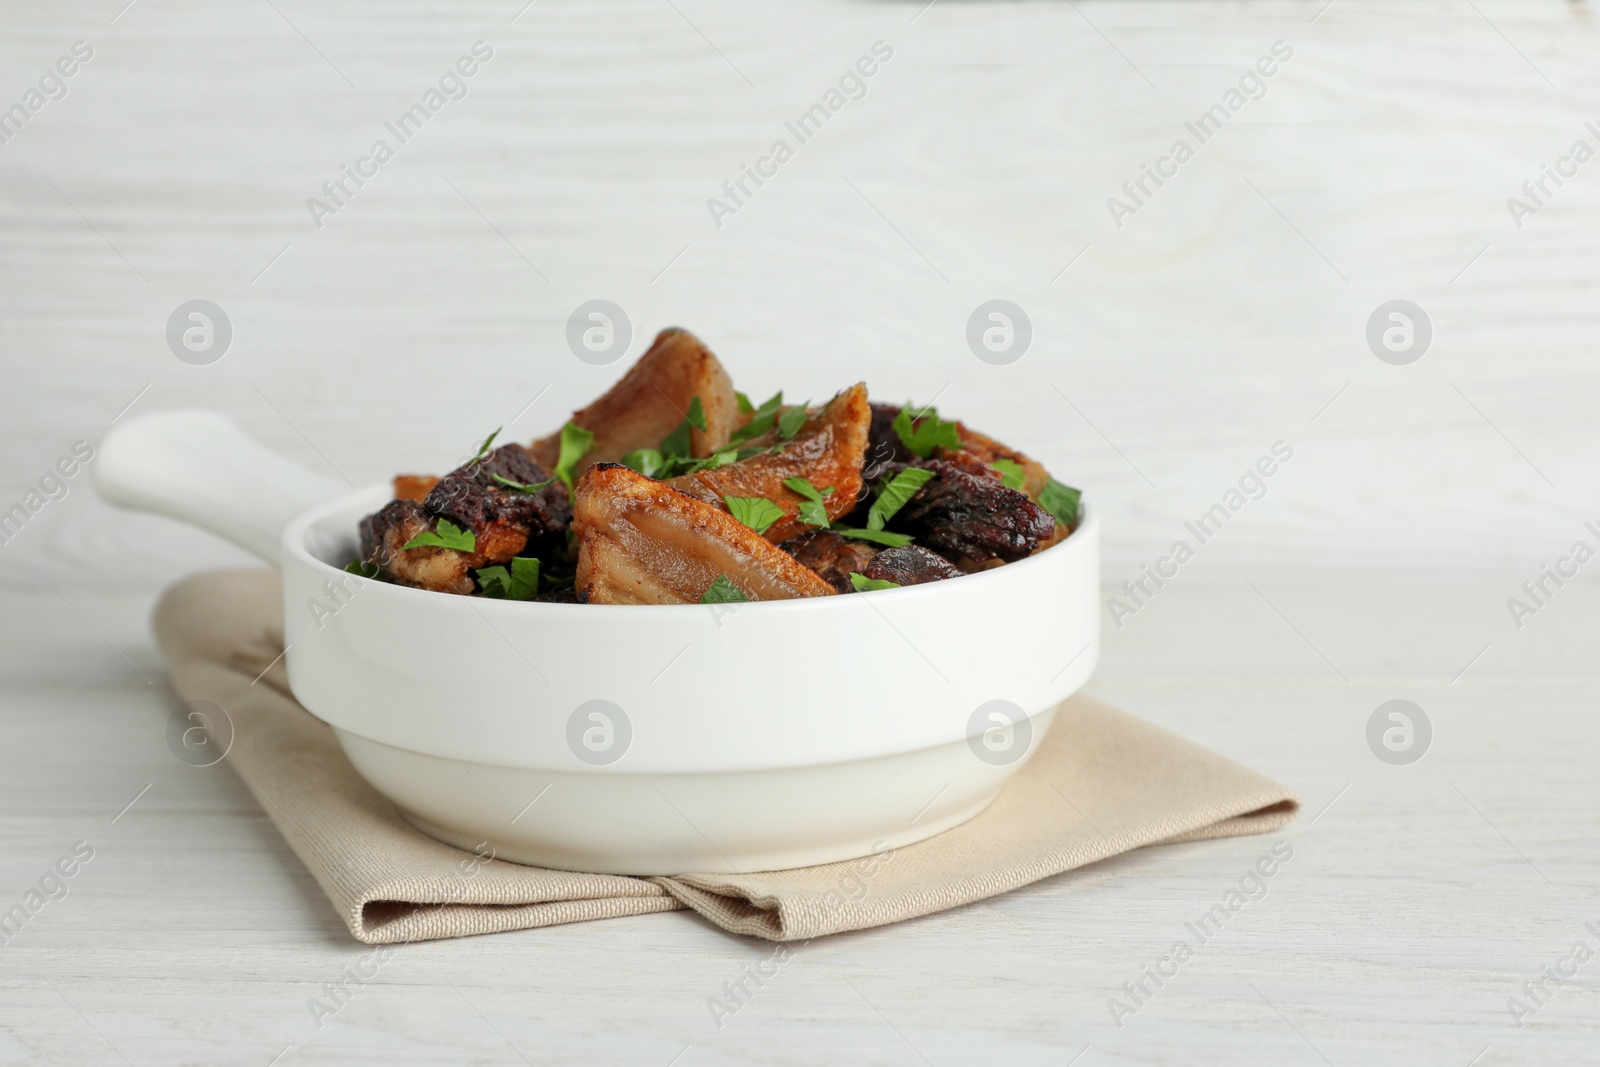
column 910, row 565
column 642, row 542
column 384, row 536
column 652, row 400
column 827, row 450
column 987, row 449
column 833, row 557
column 504, row 520
column 883, row 444
column 966, row 515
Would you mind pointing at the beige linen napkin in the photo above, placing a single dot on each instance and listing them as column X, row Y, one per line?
column 1101, row 783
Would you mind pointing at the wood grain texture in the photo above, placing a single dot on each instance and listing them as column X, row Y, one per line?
column 1227, row 314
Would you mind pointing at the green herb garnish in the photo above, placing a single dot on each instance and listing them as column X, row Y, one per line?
column 894, row 494
column 880, row 537
column 756, row 512
column 926, row 432
column 722, row 591
column 447, row 535
column 864, row 584
column 790, row 421
column 522, row 487
column 679, row 465
column 647, row 461
column 745, row 407
column 575, row 442
column 813, row 509
column 363, row 569
column 521, row 582
column 676, row 443
column 483, row 449
column 1011, row 473
column 761, row 419
column 1061, row 501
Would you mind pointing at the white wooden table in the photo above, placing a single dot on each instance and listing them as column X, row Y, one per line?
column 1227, row 314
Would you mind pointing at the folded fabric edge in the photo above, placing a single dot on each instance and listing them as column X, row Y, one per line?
column 388, row 922
column 763, row 915
column 1260, row 821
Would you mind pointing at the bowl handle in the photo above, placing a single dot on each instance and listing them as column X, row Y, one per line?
column 199, row 468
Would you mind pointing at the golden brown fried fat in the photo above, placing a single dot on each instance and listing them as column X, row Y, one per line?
column 827, row 449
column 652, row 400
column 414, row 486
column 642, row 542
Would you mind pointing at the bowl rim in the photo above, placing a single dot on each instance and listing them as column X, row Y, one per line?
column 293, row 545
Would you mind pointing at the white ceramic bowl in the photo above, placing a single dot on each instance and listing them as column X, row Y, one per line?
column 641, row 739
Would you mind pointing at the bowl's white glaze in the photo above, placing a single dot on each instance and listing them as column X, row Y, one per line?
column 702, row 688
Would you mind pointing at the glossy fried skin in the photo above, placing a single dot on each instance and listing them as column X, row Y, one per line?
column 414, row 486
column 651, row 400
column 965, row 514
column 642, row 542
column 506, row 522
column 384, row 535
column 833, row 557
column 910, row 565
column 827, row 450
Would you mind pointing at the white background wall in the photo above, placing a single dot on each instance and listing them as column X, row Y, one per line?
column 1223, row 317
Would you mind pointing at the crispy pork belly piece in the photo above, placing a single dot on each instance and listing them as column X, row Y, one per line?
column 833, row 557
column 505, row 521
column 965, row 514
column 651, row 400
column 642, row 542
column 414, row 486
column 384, row 535
column 827, row 449
column 910, row 565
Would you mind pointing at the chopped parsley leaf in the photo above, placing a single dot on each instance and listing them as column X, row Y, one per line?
column 925, row 432
column 483, row 449
column 363, row 569
column 1011, row 473
column 894, row 494
column 756, row 512
column 881, row 537
column 864, row 584
column 677, row 465
column 521, row 487
column 790, row 421
column 521, row 582
column 813, row 509
column 575, row 442
column 723, row 591
column 447, row 535
column 745, row 407
column 677, row 443
column 813, row 514
column 1061, row 501
column 647, row 461
column 803, row 487
column 761, row 419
